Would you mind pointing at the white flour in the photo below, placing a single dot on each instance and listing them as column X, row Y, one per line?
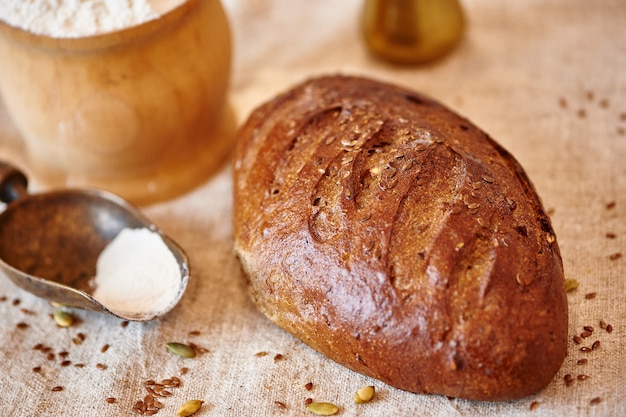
column 75, row 18
column 136, row 273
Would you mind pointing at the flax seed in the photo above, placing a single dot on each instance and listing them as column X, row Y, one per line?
column 615, row 256
column 101, row 366
column 577, row 340
column 104, row 348
column 609, row 328
column 595, row 345
column 57, row 388
column 585, row 349
column 534, row 405
column 66, row 363
column 153, row 391
column 280, row 404
column 585, row 334
column 596, row 400
column 198, row 349
column 590, row 296
column 139, row 407
column 603, row 324
column 21, row 325
column 111, row 400
column 582, row 377
column 308, row 386
column 582, row 361
column 37, row 369
column 124, row 324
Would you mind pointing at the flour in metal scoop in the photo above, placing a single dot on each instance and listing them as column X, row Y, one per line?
column 137, row 274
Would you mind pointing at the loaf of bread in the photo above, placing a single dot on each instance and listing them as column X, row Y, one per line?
column 399, row 240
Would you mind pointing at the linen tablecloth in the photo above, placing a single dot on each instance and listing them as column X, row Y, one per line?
column 545, row 78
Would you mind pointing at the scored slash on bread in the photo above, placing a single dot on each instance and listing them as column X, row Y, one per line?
column 398, row 239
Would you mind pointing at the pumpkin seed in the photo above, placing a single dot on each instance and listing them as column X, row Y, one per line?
column 364, row 395
column 63, row 318
column 181, row 350
column 57, row 304
column 570, row 285
column 322, row 409
column 189, row 408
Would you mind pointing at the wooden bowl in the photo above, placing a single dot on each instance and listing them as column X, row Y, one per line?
column 141, row 112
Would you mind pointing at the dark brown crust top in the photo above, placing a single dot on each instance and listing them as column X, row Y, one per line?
column 398, row 239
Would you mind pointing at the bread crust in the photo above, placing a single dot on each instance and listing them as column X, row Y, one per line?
column 398, row 239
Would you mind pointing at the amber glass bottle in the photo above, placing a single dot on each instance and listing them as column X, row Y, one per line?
column 412, row 31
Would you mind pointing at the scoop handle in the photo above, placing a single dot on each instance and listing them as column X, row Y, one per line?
column 13, row 183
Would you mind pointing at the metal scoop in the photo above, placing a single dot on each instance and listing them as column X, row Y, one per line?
column 50, row 242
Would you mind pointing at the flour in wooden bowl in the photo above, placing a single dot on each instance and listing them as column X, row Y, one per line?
column 75, row 18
